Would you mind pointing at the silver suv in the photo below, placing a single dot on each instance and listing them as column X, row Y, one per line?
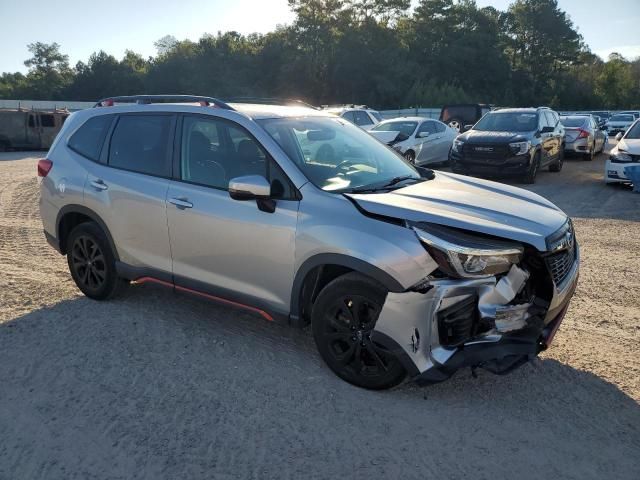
column 295, row 214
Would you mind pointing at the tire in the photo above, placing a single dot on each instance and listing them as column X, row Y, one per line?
column 456, row 124
column 342, row 319
column 530, row 176
column 589, row 155
column 92, row 262
column 410, row 156
column 557, row 165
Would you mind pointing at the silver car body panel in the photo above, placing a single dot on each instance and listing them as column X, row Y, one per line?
column 212, row 239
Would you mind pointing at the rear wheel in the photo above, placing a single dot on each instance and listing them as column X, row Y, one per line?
column 92, row 262
column 343, row 318
column 456, row 124
column 590, row 154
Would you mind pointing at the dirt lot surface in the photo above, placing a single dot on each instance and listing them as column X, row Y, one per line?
column 160, row 385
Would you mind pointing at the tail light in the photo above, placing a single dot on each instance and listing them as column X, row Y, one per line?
column 44, row 166
column 583, row 134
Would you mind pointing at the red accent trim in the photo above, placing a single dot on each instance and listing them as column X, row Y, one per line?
column 205, row 295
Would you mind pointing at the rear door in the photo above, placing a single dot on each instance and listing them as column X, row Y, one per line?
column 128, row 186
column 227, row 247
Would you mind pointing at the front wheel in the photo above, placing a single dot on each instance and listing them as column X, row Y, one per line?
column 557, row 165
column 530, row 176
column 343, row 318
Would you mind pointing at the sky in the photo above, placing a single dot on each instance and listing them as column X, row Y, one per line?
column 82, row 27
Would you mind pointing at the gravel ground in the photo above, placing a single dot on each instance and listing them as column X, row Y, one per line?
column 160, row 385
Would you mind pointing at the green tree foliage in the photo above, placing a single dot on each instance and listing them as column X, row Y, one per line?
column 378, row 52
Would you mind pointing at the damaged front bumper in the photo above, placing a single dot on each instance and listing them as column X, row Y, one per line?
column 436, row 332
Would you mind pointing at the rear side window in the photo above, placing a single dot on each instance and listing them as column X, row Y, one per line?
column 140, row 143
column 427, row 127
column 349, row 116
column 440, row 127
column 362, row 118
column 47, row 121
column 88, row 139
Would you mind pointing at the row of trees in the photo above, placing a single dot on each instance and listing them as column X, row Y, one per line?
column 378, row 52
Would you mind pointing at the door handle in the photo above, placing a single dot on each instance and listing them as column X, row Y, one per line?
column 181, row 203
column 99, row 184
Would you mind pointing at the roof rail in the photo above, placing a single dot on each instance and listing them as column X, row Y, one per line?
column 149, row 99
column 269, row 101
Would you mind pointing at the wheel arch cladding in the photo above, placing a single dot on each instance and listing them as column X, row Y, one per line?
column 70, row 216
column 338, row 264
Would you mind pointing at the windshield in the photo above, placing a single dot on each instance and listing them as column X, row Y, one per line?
column 622, row 118
column 337, row 156
column 403, row 127
column 507, row 122
column 573, row 121
column 634, row 132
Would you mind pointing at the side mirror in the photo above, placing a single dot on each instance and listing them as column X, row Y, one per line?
column 618, row 136
column 253, row 187
column 422, row 135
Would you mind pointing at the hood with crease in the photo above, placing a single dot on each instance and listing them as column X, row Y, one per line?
column 471, row 204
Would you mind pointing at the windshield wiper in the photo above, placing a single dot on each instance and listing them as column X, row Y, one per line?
column 386, row 185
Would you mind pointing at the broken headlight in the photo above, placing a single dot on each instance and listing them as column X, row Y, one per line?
column 463, row 255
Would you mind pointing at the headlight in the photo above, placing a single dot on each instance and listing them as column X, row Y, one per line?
column 520, row 148
column 620, row 156
column 457, row 146
column 464, row 255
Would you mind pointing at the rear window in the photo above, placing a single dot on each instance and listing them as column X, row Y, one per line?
column 622, row 118
column 88, row 139
column 140, row 143
column 570, row 122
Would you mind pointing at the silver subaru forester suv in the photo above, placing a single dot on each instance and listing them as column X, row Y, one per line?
column 298, row 215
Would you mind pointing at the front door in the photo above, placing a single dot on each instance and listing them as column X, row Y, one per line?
column 227, row 247
column 426, row 150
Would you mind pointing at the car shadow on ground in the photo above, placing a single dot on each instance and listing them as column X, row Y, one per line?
column 166, row 384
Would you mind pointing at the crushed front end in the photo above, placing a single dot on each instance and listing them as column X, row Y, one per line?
column 492, row 304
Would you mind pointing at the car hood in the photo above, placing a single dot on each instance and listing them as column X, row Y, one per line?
column 629, row 145
column 477, row 136
column 471, row 204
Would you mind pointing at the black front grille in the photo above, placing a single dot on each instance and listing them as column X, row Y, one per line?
column 562, row 245
column 455, row 323
column 488, row 152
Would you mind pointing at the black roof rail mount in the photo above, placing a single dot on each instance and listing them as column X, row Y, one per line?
column 269, row 101
column 150, row 99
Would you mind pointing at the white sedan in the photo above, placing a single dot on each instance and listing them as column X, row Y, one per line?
column 421, row 140
column 625, row 154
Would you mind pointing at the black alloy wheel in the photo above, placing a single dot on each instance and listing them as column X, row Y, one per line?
column 343, row 320
column 530, row 176
column 92, row 262
column 557, row 165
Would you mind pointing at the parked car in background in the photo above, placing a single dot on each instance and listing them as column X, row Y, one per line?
column 511, row 142
column 635, row 113
column 620, row 122
column 583, row 136
column 360, row 115
column 602, row 119
column 625, row 154
column 459, row 117
column 29, row 129
column 421, row 141
column 400, row 271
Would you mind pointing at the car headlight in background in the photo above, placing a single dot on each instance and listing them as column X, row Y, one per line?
column 520, row 148
column 457, row 146
column 620, row 156
column 463, row 255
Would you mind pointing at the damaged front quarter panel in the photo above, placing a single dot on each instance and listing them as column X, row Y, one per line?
column 409, row 322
